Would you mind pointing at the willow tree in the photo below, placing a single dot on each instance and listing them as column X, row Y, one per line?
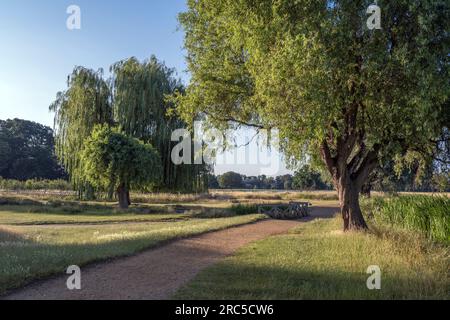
column 334, row 89
column 132, row 99
column 141, row 111
column 86, row 103
column 111, row 158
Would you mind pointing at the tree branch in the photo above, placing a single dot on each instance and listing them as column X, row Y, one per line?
column 231, row 119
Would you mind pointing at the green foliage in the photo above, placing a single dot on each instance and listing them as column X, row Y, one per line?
column 34, row 184
column 83, row 105
column 230, row 180
column 132, row 99
column 5, row 152
column 441, row 181
column 27, row 151
column 141, row 109
column 111, row 159
column 213, row 183
column 244, row 209
column 426, row 214
column 308, row 179
column 297, row 66
column 334, row 90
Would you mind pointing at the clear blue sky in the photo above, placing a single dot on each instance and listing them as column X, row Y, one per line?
column 38, row 52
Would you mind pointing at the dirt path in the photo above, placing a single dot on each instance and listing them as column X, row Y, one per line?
column 158, row 273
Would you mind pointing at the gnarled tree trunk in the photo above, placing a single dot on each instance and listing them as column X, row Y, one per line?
column 350, row 171
column 350, row 209
column 124, row 196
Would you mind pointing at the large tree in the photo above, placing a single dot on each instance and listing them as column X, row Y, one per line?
column 86, row 103
column 27, row 151
column 133, row 98
column 110, row 158
column 141, row 111
column 306, row 178
column 334, row 89
column 230, row 180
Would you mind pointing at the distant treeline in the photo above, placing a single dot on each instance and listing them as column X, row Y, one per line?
column 27, row 151
column 303, row 179
column 306, row 178
column 28, row 162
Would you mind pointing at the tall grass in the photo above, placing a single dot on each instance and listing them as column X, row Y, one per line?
column 275, row 195
column 169, row 197
column 35, row 184
column 428, row 215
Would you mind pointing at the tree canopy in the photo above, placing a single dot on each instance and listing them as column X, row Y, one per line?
column 230, row 180
column 336, row 91
column 306, row 178
column 140, row 91
column 111, row 159
column 133, row 99
column 86, row 103
column 27, row 151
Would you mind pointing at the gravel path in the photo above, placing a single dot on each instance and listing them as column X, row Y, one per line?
column 157, row 273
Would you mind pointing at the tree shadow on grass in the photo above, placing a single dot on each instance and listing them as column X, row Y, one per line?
column 234, row 282
column 85, row 209
column 10, row 236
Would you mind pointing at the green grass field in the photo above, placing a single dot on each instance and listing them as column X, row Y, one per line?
column 318, row 261
column 42, row 234
column 15, row 215
column 33, row 252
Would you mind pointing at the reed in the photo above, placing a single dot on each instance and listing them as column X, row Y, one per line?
column 428, row 215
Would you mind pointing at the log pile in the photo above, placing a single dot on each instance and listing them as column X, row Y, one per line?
column 295, row 210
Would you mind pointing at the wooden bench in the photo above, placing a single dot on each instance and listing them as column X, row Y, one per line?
column 295, row 210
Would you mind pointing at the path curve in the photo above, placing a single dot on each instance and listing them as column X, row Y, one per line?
column 157, row 273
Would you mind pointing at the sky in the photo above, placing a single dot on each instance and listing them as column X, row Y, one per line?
column 38, row 51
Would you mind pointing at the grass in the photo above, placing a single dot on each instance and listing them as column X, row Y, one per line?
column 45, row 215
column 33, row 252
column 428, row 215
column 34, row 184
column 9, row 217
column 41, row 233
column 274, row 195
column 318, row 261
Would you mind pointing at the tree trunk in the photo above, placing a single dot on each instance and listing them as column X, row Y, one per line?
column 128, row 197
column 123, row 195
column 350, row 209
column 350, row 172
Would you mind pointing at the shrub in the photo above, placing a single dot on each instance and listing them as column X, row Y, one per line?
column 244, row 209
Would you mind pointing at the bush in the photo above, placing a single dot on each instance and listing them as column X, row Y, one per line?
column 426, row 214
column 243, row 209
